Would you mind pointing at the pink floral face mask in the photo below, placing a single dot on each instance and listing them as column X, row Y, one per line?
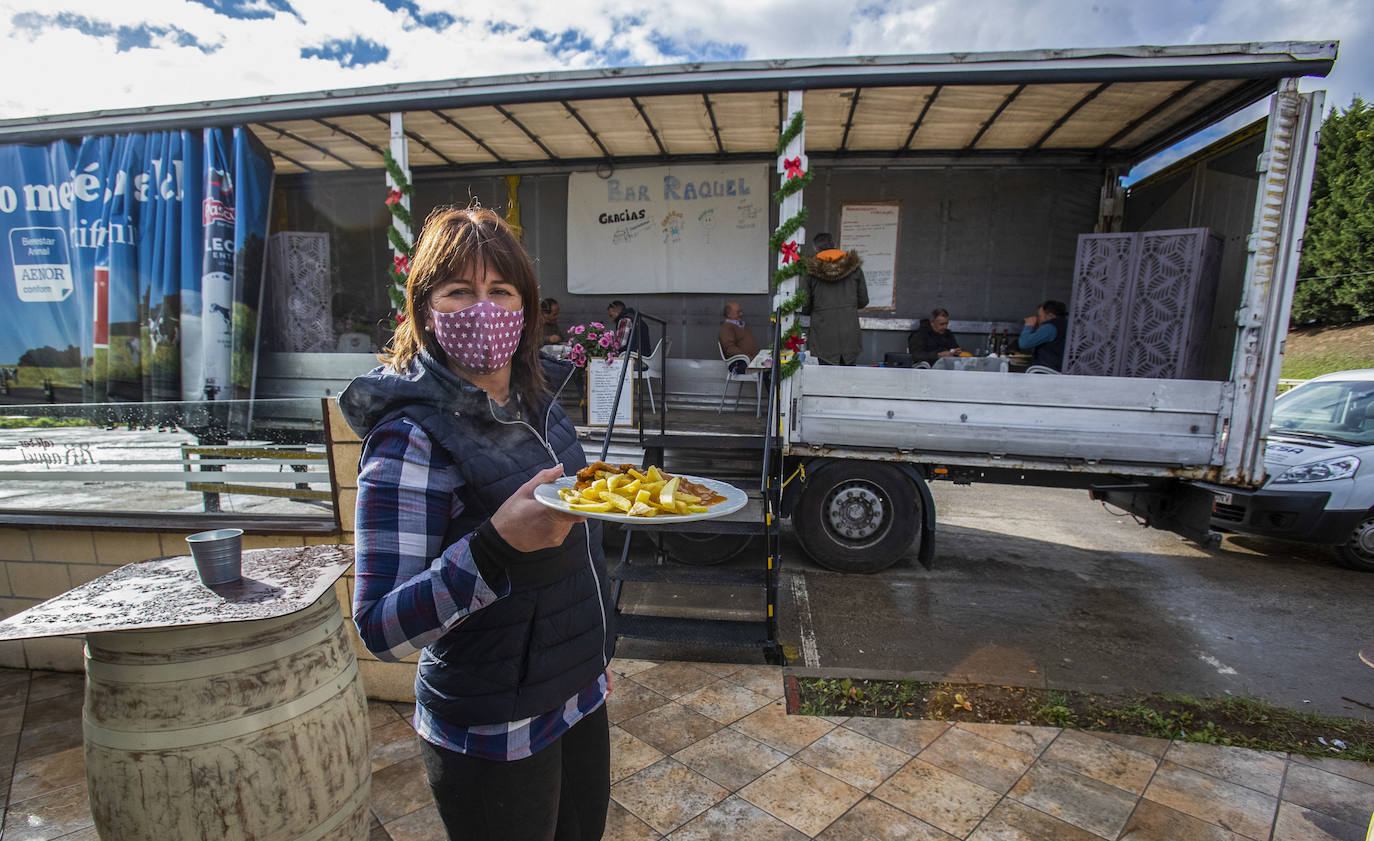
column 481, row 338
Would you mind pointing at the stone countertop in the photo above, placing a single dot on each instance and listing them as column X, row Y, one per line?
column 167, row 593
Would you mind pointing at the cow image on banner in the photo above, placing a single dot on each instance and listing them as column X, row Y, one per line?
column 669, row 229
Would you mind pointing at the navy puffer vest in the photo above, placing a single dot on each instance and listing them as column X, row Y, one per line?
column 531, row 651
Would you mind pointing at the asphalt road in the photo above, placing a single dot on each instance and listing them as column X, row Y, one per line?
column 1044, row 587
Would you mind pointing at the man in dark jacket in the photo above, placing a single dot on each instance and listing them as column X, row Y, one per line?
column 835, row 292
column 932, row 339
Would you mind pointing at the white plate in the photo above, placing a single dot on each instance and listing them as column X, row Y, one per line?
column 735, row 499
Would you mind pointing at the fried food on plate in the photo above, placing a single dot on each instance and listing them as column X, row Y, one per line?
column 624, row 489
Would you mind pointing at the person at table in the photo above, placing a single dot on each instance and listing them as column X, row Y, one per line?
column 505, row 599
column 548, row 322
column 835, row 292
column 735, row 338
column 932, row 340
column 1044, row 333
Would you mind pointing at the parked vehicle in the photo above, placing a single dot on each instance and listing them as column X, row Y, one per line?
column 1320, row 462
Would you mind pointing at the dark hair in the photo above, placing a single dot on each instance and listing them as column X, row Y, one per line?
column 937, row 312
column 618, row 304
column 452, row 240
column 546, row 306
column 1055, row 308
column 823, row 241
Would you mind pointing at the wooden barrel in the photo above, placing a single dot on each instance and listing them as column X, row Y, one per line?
column 251, row 731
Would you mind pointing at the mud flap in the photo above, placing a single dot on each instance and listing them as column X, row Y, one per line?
column 1167, row 504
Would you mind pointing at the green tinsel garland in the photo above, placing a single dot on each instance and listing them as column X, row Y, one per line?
column 792, row 185
column 794, row 127
column 793, row 304
column 785, row 230
column 793, row 269
column 397, row 175
column 396, row 290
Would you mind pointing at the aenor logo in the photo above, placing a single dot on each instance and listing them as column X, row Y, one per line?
column 42, row 264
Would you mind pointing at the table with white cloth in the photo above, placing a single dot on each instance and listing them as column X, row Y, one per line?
column 996, row 364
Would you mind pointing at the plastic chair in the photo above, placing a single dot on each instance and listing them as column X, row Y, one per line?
column 1041, row 369
column 652, row 368
column 746, row 376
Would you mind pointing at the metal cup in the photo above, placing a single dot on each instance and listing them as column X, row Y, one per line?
column 218, row 555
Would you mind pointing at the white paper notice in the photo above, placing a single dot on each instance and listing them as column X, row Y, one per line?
column 871, row 230
column 602, row 379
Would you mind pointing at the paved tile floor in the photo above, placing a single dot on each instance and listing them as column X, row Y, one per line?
column 707, row 751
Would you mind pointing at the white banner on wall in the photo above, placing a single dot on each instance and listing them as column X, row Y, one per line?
column 870, row 228
column 701, row 228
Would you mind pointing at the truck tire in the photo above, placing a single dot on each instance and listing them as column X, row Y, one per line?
column 703, row 550
column 1357, row 552
column 857, row 516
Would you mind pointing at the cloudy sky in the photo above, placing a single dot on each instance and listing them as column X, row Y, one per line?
column 60, row 56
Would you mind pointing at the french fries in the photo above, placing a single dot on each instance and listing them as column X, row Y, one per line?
column 624, row 489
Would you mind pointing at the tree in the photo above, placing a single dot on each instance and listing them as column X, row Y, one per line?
column 1336, row 274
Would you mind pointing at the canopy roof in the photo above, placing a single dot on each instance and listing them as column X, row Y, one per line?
column 1112, row 106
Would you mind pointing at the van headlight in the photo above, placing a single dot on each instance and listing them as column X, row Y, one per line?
column 1320, row 471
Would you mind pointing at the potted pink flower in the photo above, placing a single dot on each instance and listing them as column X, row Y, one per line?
column 590, row 341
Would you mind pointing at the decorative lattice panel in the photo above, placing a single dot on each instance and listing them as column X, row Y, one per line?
column 1142, row 303
column 301, row 312
column 1101, row 292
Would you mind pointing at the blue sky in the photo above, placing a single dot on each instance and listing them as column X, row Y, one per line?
column 83, row 55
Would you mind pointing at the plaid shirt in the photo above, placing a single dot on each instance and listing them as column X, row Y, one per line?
column 408, row 593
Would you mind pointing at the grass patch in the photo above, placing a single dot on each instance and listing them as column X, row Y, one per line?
column 41, row 422
column 1238, row 722
column 1313, row 351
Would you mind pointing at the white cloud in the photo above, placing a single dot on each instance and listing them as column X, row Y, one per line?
column 64, row 70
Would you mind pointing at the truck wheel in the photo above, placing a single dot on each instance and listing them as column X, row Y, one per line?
column 1357, row 552
column 703, row 550
column 857, row 516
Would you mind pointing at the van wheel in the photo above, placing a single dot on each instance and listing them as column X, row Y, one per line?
column 857, row 516
column 698, row 549
column 1357, row 552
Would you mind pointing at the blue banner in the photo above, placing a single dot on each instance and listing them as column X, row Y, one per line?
column 120, row 250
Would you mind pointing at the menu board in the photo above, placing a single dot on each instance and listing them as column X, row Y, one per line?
column 602, row 378
column 870, row 228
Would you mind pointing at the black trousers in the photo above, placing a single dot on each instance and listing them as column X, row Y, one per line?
column 558, row 794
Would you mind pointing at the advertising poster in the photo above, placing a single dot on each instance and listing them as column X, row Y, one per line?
column 700, row 228
column 101, row 255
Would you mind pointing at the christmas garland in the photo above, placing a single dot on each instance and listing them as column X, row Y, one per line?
column 794, row 180
column 400, row 262
column 794, row 128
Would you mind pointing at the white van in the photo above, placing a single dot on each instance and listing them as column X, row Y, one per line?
column 1320, row 463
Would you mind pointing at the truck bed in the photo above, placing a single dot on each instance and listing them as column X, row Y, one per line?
column 1110, row 425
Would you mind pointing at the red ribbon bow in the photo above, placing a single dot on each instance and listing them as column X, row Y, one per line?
column 393, row 197
column 794, row 342
column 792, row 167
column 402, row 263
column 790, row 252
column 400, row 318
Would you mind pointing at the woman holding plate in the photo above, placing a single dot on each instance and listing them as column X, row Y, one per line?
column 506, row 599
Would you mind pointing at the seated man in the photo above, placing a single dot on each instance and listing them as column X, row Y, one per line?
column 622, row 318
column 932, row 339
column 1045, row 333
column 735, row 338
column 550, row 333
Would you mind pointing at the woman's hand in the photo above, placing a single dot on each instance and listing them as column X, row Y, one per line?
column 528, row 525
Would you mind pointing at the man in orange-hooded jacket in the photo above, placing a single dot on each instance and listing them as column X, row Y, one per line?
column 835, row 292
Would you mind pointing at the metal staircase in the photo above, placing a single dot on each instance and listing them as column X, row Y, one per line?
column 758, row 518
